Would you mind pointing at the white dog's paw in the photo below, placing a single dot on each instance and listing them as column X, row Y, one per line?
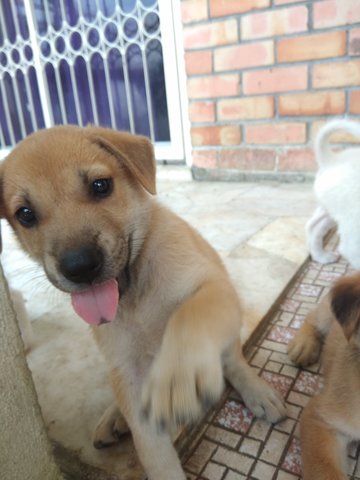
column 326, row 257
column 265, row 402
column 110, row 428
column 180, row 385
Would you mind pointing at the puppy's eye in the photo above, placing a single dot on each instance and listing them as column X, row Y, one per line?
column 26, row 217
column 101, row 187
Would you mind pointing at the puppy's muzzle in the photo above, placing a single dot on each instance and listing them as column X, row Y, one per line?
column 82, row 265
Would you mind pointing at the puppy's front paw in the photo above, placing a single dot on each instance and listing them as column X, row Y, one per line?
column 180, row 385
column 304, row 349
column 110, row 428
column 325, row 257
column 265, row 402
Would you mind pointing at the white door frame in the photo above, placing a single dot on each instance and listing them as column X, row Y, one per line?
column 178, row 148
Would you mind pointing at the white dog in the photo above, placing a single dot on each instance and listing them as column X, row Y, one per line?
column 337, row 188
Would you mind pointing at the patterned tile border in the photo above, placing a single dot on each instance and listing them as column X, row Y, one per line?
column 231, row 444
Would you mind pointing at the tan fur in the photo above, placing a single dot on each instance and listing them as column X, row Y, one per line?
column 177, row 328
column 331, row 419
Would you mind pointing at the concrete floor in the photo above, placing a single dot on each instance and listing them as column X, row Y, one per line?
column 259, row 231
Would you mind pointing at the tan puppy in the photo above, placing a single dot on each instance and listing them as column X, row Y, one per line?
column 331, row 419
column 162, row 308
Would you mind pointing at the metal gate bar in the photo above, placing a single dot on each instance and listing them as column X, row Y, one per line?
column 56, row 55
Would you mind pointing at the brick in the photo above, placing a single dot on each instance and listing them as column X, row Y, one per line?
column 263, row 470
column 250, row 447
column 297, row 160
column 204, row 158
column 202, row 112
column 220, row 435
column 312, row 47
column 236, row 461
column 276, row 80
column 354, row 41
column 220, row 8
column 244, row 56
column 276, row 133
column 213, row 471
column 210, row 34
column 355, row 102
column 247, row 159
column 201, row 456
column 332, row 13
column 213, row 86
column 274, row 447
column 198, row 62
column 320, row 103
column 216, row 135
column 338, row 137
column 246, row 108
column 339, row 74
column 193, row 10
column 274, row 22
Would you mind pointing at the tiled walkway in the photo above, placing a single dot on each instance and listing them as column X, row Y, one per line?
column 231, row 444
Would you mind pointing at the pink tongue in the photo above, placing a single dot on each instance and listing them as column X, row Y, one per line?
column 98, row 304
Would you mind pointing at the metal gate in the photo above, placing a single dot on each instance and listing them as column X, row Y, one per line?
column 105, row 62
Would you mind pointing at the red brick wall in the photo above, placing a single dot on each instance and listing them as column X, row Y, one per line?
column 263, row 75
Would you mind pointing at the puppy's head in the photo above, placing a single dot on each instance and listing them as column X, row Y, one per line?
column 345, row 304
column 78, row 200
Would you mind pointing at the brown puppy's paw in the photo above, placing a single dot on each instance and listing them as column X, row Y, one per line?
column 110, row 428
column 264, row 401
column 304, row 350
column 180, row 385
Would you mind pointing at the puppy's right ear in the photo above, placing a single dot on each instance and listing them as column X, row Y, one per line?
column 345, row 303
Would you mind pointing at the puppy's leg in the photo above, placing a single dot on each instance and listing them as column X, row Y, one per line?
column 317, row 228
column 323, row 449
column 186, row 375
column 111, row 426
column 155, row 449
column 305, row 348
column 156, row 452
column 258, row 395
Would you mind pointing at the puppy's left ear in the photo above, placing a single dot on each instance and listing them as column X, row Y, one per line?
column 134, row 152
column 345, row 303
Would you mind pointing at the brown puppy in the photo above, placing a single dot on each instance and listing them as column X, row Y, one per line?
column 162, row 308
column 331, row 419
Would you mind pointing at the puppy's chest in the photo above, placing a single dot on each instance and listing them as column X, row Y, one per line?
column 131, row 341
column 151, row 296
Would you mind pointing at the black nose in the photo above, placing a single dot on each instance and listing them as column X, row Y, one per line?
column 81, row 265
